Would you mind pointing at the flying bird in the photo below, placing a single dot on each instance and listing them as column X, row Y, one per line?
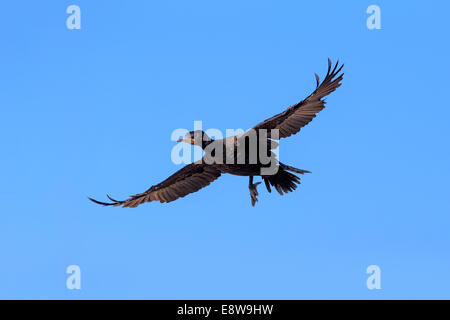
column 199, row 174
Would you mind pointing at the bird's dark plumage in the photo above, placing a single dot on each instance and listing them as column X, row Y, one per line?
column 197, row 175
column 297, row 116
column 190, row 178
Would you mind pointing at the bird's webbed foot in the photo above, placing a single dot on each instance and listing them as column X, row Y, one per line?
column 253, row 191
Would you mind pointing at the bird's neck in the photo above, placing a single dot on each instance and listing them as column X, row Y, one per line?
column 206, row 143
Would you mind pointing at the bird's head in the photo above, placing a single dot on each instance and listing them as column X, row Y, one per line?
column 197, row 137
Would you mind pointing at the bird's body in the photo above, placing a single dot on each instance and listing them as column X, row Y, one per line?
column 249, row 154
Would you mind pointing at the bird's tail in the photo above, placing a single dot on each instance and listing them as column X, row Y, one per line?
column 292, row 169
column 284, row 181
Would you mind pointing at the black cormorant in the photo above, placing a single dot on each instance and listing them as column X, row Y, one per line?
column 201, row 173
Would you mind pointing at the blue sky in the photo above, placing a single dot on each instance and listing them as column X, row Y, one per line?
column 90, row 111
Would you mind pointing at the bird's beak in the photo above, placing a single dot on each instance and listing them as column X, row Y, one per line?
column 192, row 141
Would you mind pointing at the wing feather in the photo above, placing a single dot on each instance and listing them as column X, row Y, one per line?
column 189, row 179
column 297, row 116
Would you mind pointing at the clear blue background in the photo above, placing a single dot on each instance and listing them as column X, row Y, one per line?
column 88, row 112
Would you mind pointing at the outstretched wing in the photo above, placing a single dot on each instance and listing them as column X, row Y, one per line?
column 299, row 115
column 189, row 179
